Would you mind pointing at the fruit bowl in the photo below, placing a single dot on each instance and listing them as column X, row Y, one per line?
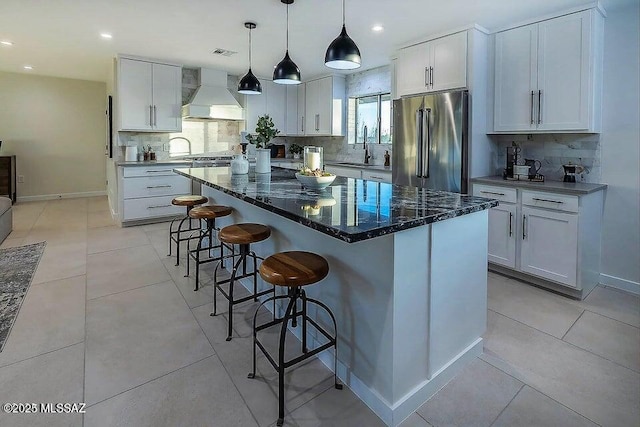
column 315, row 182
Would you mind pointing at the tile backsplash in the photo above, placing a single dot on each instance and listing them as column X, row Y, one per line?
column 554, row 150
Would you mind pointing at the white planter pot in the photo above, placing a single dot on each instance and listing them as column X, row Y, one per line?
column 263, row 160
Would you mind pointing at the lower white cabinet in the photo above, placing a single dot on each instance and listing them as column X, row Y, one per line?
column 550, row 244
column 344, row 171
column 544, row 235
column 146, row 192
column 374, row 175
column 359, row 173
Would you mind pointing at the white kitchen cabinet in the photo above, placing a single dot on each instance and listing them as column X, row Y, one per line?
column 344, row 171
column 439, row 64
column 302, row 90
column 254, row 107
column 291, row 111
column 273, row 101
column 325, row 106
column 548, row 75
column 547, row 238
column 550, row 244
column 146, row 192
column 149, row 96
column 376, row 175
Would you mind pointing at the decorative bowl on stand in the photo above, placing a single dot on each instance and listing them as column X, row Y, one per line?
column 315, row 182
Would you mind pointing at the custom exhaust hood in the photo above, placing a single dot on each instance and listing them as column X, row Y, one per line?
column 213, row 100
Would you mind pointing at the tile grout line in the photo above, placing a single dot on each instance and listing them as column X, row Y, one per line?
column 41, row 354
column 505, row 408
column 611, row 318
column 568, row 343
column 132, row 289
column 84, row 359
column 572, row 325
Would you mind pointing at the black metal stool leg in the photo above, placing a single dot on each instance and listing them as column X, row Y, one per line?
column 303, row 297
column 231, row 286
column 283, row 335
column 198, row 248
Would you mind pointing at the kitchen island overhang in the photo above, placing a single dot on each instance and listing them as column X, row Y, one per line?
column 407, row 278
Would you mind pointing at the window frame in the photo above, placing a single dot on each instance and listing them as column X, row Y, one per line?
column 378, row 96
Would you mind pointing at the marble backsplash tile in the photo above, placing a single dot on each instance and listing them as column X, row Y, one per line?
column 554, row 150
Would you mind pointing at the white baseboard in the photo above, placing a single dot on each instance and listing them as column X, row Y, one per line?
column 61, row 196
column 618, row 283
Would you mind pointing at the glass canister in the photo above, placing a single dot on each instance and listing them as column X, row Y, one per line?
column 313, row 158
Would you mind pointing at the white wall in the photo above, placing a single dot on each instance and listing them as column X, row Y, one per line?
column 620, row 144
column 56, row 128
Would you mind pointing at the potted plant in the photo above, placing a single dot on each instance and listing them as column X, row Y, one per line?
column 296, row 150
column 265, row 132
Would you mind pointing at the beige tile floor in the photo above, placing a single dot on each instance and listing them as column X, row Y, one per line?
column 111, row 321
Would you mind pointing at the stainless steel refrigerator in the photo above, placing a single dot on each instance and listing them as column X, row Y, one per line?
column 430, row 141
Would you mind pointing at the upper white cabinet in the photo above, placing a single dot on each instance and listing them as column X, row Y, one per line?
column 548, row 75
column 149, row 96
column 291, row 119
column 439, row 64
column 302, row 90
column 325, row 107
column 280, row 102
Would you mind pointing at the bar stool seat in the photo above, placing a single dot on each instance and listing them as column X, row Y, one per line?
column 175, row 235
column 243, row 235
column 294, row 270
column 209, row 214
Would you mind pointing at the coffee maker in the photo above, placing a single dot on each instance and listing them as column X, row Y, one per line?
column 512, row 159
column 571, row 172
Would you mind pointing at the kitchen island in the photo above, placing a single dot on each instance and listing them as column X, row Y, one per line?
column 407, row 280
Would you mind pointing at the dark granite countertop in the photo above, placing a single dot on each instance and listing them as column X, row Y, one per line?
column 575, row 188
column 350, row 209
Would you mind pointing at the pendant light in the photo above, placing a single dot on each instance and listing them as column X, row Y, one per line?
column 249, row 84
column 343, row 53
column 287, row 72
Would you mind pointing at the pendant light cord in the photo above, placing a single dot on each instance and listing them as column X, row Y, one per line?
column 287, row 27
column 343, row 15
column 249, row 47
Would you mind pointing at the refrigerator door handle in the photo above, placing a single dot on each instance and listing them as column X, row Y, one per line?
column 419, row 115
column 426, row 128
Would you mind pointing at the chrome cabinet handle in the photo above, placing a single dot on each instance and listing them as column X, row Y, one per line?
column 431, row 76
column 491, row 192
column 532, row 95
column 510, row 224
column 539, row 106
column 151, row 115
column 524, row 227
column 160, row 170
column 426, row 76
column 159, row 206
column 318, row 122
column 159, row 186
column 155, row 116
column 302, row 124
column 547, row 200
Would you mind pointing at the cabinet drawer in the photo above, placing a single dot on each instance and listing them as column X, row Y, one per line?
column 560, row 202
column 151, row 170
column 151, row 186
column 376, row 176
column 150, row 207
column 503, row 194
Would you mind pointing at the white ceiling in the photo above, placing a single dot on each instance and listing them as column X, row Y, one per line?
column 62, row 37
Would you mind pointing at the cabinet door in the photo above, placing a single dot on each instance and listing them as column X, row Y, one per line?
column 167, row 98
column 311, row 108
column 550, row 245
column 255, row 106
column 502, row 235
column 301, row 108
column 325, row 106
column 276, row 95
column 412, row 69
column 563, row 72
column 342, row 171
column 291, row 119
column 135, row 83
column 516, row 79
column 448, row 68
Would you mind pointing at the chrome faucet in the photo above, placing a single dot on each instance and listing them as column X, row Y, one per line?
column 180, row 153
column 366, row 155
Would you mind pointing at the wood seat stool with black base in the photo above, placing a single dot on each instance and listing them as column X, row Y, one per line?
column 294, row 270
column 209, row 214
column 190, row 201
column 242, row 235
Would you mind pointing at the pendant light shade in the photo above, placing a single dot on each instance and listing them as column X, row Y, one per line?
column 287, row 72
column 249, row 84
column 343, row 53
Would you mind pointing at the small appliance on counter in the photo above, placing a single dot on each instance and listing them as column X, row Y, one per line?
column 516, row 171
column 571, row 171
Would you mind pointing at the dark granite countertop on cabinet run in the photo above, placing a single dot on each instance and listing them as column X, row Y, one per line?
column 575, row 188
column 350, row 209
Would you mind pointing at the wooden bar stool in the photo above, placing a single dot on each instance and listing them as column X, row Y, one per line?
column 294, row 270
column 190, row 201
column 242, row 235
column 209, row 214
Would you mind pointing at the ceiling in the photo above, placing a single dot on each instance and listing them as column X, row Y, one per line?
column 62, row 37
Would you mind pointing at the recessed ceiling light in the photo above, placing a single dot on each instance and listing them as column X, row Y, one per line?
column 6, row 43
column 106, row 36
column 28, row 67
column 377, row 28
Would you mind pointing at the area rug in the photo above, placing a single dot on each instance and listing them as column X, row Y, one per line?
column 17, row 267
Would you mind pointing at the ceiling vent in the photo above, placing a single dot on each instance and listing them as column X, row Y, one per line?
column 223, row 52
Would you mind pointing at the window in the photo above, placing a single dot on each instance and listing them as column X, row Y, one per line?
column 370, row 119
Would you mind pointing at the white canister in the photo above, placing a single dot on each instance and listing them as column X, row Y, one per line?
column 263, row 160
column 131, row 154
